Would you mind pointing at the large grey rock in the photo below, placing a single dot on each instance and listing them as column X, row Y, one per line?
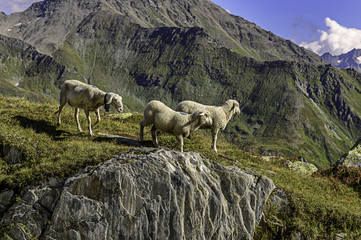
column 150, row 194
column 30, row 214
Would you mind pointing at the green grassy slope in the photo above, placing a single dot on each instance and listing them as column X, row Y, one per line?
column 323, row 205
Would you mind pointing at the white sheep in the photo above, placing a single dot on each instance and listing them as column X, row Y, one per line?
column 167, row 120
column 87, row 97
column 220, row 115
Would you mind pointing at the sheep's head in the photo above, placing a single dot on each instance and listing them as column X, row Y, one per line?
column 203, row 116
column 116, row 101
column 234, row 106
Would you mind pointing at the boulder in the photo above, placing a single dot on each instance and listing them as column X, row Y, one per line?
column 146, row 193
column 302, row 167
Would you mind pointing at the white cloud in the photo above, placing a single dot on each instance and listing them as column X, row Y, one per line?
column 336, row 40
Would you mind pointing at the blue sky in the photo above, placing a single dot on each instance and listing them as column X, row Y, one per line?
column 320, row 25
column 295, row 19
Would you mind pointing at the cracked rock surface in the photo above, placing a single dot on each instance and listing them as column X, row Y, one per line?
column 144, row 194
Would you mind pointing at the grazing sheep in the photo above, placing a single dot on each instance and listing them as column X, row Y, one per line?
column 167, row 120
column 219, row 114
column 90, row 98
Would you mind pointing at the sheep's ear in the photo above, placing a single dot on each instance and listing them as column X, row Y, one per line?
column 234, row 105
column 109, row 98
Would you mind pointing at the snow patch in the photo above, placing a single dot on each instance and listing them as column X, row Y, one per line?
column 358, row 60
column 339, row 61
column 10, row 29
column 18, row 24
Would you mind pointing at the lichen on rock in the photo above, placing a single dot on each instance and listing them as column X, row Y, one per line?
column 353, row 157
column 302, row 167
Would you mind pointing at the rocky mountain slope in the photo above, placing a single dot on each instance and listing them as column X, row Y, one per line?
column 172, row 51
column 24, row 71
column 142, row 194
column 47, row 24
column 351, row 59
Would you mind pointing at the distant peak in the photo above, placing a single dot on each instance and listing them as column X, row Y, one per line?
column 326, row 55
column 351, row 59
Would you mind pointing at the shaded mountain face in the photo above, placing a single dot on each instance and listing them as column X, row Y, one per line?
column 46, row 25
column 24, row 72
column 351, row 59
column 181, row 50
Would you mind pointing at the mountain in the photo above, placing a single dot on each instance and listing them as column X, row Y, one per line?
column 24, row 72
column 47, row 24
column 351, row 59
column 292, row 101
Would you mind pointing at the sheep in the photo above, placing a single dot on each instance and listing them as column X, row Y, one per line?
column 167, row 120
column 219, row 114
column 81, row 95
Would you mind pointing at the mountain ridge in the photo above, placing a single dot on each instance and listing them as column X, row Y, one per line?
column 352, row 59
column 234, row 32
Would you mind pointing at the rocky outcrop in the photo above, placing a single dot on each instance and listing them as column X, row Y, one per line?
column 353, row 157
column 143, row 194
column 305, row 168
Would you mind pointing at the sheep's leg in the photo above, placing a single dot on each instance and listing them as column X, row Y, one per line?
column 180, row 141
column 76, row 115
column 98, row 117
column 141, row 133
column 62, row 104
column 59, row 112
column 154, row 136
column 214, row 139
column 89, row 122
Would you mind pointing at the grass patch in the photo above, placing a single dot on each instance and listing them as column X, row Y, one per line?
column 324, row 204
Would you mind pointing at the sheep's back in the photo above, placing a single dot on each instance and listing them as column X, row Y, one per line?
column 159, row 114
column 81, row 95
column 216, row 112
column 189, row 106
